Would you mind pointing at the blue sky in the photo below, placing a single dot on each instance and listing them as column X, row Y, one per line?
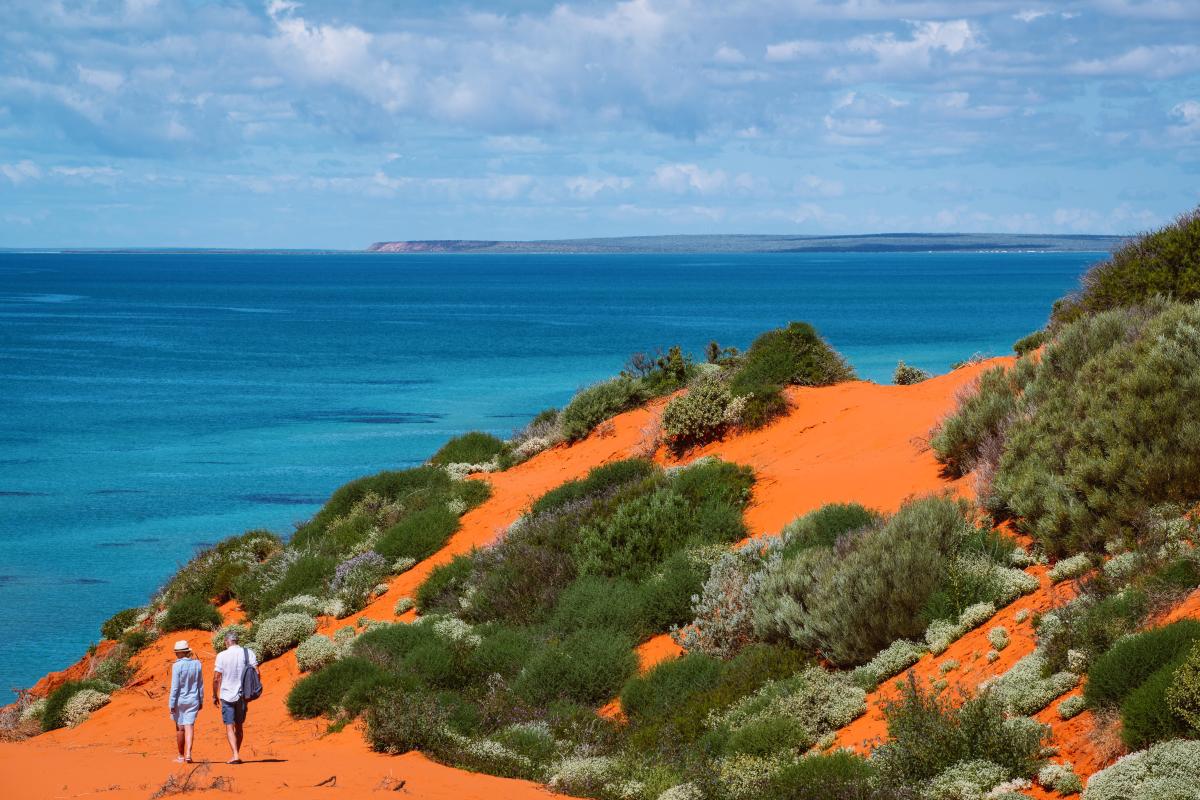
column 265, row 123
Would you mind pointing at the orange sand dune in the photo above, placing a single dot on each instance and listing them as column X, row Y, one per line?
column 857, row 441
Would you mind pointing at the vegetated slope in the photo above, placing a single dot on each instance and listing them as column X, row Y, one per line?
column 854, row 441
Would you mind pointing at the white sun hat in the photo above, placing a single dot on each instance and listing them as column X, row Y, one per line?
column 181, row 646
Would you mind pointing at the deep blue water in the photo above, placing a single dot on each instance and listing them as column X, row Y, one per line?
column 150, row 404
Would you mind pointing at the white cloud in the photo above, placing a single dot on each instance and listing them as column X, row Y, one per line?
column 103, row 79
column 587, row 187
column 684, row 178
column 1156, row 61
column 728, row 55
column 794, row 50
column 1029, row 15
column 21, row 171
column 895, row 58
column 815, row 185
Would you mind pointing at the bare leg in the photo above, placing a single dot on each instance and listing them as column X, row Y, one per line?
column 179, row 740
column 189, row 733
column 240, row 730
column 231, row 733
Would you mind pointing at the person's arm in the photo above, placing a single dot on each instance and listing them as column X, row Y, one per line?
column 217, row 683
column 173, row 698
column 200, row 685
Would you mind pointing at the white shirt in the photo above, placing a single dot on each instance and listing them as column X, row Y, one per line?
column 230, row 663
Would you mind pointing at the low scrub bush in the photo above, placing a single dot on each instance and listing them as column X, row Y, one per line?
column 277, row 635
column 1030, row 342
column 1132, row 660
column 114, row 627
column 502, row 651
column 288, row 575
column 475, row 447
column 889, row 662
column 1147, row 715
column 316, row 652
column 400, row 721
column 1068, row 568
column 723, row 610
column 1184, row 693
column 984, row 411
column 1165, row 262
column 700, row 416
column 1166, row 771
column 663, row 688
column 439, row 592
column 599, row 402
column 823, row 701
column 836, row 776
column 418, row 535
column 599, row 480
column 54, row 715
column 587, row 667
column 327, row 691
column 928, row 734
column 593, row 602
column 907, row 375
column 212, row 573
column 82, row 704
column 1090, row 625
column 824, row 526
column 189, row 613
column 1029, row 685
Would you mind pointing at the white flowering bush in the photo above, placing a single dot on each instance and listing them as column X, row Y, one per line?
column 33, row 710
column 583, row 776
column 305, row 603
column 998, row 637
column 337, row 608
column 344, row 637
column 1021, row 558
column 1025, row 689
column 1021, row 616
column 1069, row 568
column 403, row 605
column 315, row 652
column 1060, row 778
column 1122, row 566
column 942, row 633
column 218, row 638
column 452, row 629
column 892, row 660
column 279, row 634
column 724, row 609
column 1166, row 771
column 1071, row 707
column 949, row 665
column 682, row 791
column 403, row 564
column 1009, row 790
column 82, row 704
column 745, row 776
column 494, row 758
column 823, row 701
column 459, row 472
column 701, row 415
column 966, row 780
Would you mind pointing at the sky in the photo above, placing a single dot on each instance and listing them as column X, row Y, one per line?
column 334, row 124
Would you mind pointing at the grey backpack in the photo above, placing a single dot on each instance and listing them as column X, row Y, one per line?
column 251, row 683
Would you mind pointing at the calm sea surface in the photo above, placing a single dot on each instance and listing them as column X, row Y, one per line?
column 152, row 404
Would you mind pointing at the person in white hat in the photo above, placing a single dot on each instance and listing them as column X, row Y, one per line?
column 186, row 698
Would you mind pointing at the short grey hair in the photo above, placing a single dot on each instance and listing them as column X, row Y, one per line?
column 231, row 636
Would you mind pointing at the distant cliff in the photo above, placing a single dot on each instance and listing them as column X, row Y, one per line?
column 750, row 243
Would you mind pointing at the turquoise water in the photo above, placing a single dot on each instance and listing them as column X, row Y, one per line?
column 153, row 403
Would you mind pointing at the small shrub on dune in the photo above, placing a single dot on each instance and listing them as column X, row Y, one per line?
column 599, row 402
column 1030, row 685
column 277, row 635
column 1147, row 715
column 137, row 639
column 984, row 411
column 326, row 691
column 928, row 734
column 668, row 684
column 54, row 715
column 724, row 610
column 418, row 535
column 598, row 481
column 212, row 572
column 823, row 701
column 503, row 652
column 189, row 613
column 1184, row 692
column 907, row 375
column 587, row 667
column 1132, row 660
column 475, row 447
column 316, row 652
column 667, row 595
column 354, row 580
column 439, row 592
column 700, row 416
column 593, row 602
column 291, row 574
column 82, row 704
column 823, row 527
column 400, row 721
column 1165, row 262
column 1091, row 625
column 836, row 776
column 1166, row 771
column 115, row 626
column 1029, row 343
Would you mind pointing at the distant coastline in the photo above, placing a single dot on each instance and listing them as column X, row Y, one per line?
column 672, row 244
column 753, row 243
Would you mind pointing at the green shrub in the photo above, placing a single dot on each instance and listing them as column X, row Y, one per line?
column 907, row 375
column 587, row 667
column 137, row 639
column 599, row 402
column 1184, row 693
column 189, row 613
column 1088, row 455
column 475, row 447
column 399, row 721
column 503, row 652
column 850, row 606
column 593, row 602
column 298, row 574
column 315, row 652
column 836, row 776
column 54, row 715
column 794, row 355
column 1090, row 625
column 823, row 527
column 440, row 590
column 116, row 669
column 700, row 416
column 114, row 627
column 764, row 736
column 418, row 535
column 1132, row 661
column 928, row 734
column 1165, row 262
column 666, row 597
column 325, row 691
column 983, row 413
column 1030, row 342
column 600, row 480
column 1146, row 714
column 1166, row 771
column 212, row 573
column 667, row 685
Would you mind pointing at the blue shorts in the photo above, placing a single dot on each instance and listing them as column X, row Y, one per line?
column 233, row 713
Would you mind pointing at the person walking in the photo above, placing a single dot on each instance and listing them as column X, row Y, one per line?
column 228, row 678
column 186, row 698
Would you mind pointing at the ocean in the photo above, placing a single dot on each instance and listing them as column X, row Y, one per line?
column 153, row 403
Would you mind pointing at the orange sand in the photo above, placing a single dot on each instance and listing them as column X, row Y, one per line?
column 854, row 442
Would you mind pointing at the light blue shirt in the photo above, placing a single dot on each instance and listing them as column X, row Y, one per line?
column 187, row 684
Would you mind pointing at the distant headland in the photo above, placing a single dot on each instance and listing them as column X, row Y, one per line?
column 755, row 243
